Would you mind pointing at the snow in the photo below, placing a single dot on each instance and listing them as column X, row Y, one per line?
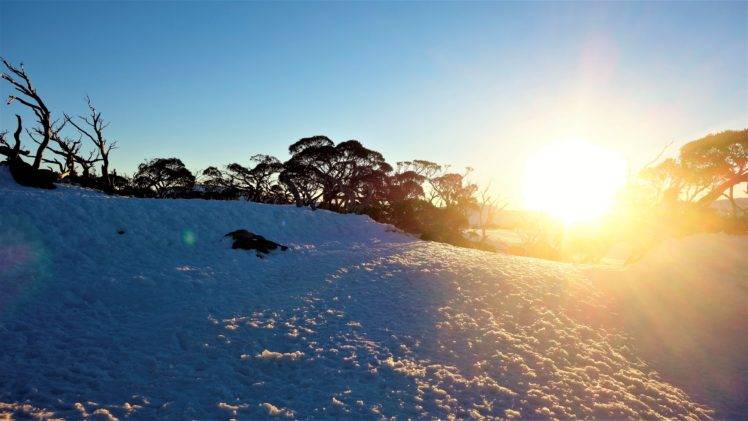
column 290, row 356
column 686, row 305
column 499, row 238
column 356, row 320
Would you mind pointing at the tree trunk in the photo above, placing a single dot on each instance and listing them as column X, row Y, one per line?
column 285, row 179
column 716, row 192
column 17, row 138
column 42, row 146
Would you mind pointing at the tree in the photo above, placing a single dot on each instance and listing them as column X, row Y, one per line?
column 404, row 185
column 69, row 151
column 217, row 184
column 95, row 133
column 303, row 189
column 264, row 175
column 257, row 183
column 359, row 177
column 278, row 195
column 13, row 152
column 164, row 177
column 305, row 174
column 21, row 82
column 721, row 158
column 345, row 178
column 705, row 170
column 487, row 209
column 429, row 171
column 452, row 190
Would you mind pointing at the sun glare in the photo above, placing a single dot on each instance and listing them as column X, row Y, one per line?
column 574, row 181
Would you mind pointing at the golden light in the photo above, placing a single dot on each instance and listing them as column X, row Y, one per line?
column 575, row 181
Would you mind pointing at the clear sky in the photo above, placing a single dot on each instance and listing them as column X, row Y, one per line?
column 484, row 84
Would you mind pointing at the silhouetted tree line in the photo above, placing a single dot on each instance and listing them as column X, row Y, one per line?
column 417, row 196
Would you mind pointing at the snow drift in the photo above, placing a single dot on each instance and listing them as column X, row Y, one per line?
column 354, row 320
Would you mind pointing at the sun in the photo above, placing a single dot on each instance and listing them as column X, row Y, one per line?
column 573, row 180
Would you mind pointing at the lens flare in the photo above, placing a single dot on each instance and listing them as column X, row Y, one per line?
column 188, row 237
column 24, row 262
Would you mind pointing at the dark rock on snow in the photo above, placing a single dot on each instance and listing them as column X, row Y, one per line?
column 246, row 240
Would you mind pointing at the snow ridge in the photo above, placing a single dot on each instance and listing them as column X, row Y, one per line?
column 355, row 320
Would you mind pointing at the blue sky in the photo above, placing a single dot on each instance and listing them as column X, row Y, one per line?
column 481, row 84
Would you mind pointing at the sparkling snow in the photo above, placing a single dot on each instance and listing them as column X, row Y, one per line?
column 355, row 320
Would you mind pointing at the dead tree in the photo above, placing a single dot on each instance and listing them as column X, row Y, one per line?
column 95, row 133
column 88, row 163
column 487, row 208
column 20, row 80
column 68, row 150
column 13, row 152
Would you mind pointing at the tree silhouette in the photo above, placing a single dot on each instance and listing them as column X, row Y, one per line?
column 346, row 178
column 164, row 177
column 307, row 174
column 404, row 185
column 257, row 183
column 721, row 158
column 21, row 82
column 13, row 152
column 705, row 170
column 488, row 206
column 95, row 133
column 216, row 184
column 68, row 150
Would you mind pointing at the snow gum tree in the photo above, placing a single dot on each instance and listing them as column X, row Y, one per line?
column 164, row 177
column 705, row 170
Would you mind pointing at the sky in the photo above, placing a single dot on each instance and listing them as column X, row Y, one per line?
column 479, row 84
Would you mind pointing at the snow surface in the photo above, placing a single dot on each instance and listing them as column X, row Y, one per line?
column 356, row 320
column 686, row 306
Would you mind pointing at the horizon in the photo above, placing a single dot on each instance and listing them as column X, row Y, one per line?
column 357, row 210
column 485, row 85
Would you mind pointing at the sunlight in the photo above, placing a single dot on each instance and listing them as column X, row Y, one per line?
column 574, row 180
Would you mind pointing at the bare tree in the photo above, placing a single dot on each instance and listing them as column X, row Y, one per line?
column 95, row 133
column 12, row 152
column 20, row 80
column 488, row 206
column 68, row 150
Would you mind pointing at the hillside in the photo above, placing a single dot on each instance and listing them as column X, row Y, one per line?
column 166, row 320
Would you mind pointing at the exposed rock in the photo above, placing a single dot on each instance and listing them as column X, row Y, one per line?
column 246, row 240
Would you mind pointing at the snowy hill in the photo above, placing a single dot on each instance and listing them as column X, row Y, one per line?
column 355, row 320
